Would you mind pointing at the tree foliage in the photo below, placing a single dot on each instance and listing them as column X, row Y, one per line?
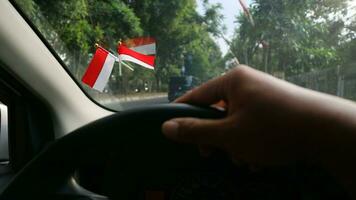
column 72, row 28
column 292, row 37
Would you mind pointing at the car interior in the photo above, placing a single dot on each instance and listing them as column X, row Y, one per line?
column 60, row 144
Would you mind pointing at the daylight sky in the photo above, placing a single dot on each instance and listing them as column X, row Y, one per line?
column 230, row 9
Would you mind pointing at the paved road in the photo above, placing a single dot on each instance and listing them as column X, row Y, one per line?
column 138, row 103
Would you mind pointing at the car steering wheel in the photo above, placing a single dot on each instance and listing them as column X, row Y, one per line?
column 148, row 162
column 135, row 132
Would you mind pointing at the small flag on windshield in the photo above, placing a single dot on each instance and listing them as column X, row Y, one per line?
column 127, row 54
column 99, row 70
column 144, row 45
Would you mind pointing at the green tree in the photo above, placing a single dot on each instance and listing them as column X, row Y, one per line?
column 291, row 37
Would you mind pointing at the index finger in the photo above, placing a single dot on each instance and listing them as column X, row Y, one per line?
column 207, row 94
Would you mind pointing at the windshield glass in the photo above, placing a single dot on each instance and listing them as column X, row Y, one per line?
column 131, row 53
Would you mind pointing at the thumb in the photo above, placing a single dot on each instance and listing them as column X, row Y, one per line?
column 196, row 131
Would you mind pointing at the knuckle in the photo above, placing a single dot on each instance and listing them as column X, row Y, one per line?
column 240, row 71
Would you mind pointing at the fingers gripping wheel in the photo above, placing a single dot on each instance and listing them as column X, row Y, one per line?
column 134, row 136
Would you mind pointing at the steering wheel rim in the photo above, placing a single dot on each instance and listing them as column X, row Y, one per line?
column 53, row 167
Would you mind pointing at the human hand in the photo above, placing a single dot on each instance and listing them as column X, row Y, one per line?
column 272, row 122
column 267, row 119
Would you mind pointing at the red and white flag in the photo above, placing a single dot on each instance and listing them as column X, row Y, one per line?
column 144, row 45
column 99, row 70
column 127, row 54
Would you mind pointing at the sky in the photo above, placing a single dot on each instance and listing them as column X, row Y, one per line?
column 231, row 8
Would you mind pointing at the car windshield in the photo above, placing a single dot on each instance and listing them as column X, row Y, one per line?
column 131, row 53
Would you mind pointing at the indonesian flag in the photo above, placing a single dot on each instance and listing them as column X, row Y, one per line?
column 99, row 70
column 127, row 54
column 144, row 45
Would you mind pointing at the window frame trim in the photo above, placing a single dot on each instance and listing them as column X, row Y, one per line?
column 4, row 134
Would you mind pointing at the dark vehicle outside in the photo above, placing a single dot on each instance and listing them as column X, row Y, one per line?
column 179, row 85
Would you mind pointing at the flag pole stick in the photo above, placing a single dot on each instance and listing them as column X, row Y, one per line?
column 99, row 46
column 120, row 68
column 120, row 62
column 123, row 63
column 128, row 66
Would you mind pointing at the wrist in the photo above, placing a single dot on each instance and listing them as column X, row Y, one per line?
column 332, row 139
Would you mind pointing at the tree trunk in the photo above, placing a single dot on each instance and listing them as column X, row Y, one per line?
column 269, row 58
column 265, row 59
column 158, row 81
column 340, row 82
column 246, row 57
